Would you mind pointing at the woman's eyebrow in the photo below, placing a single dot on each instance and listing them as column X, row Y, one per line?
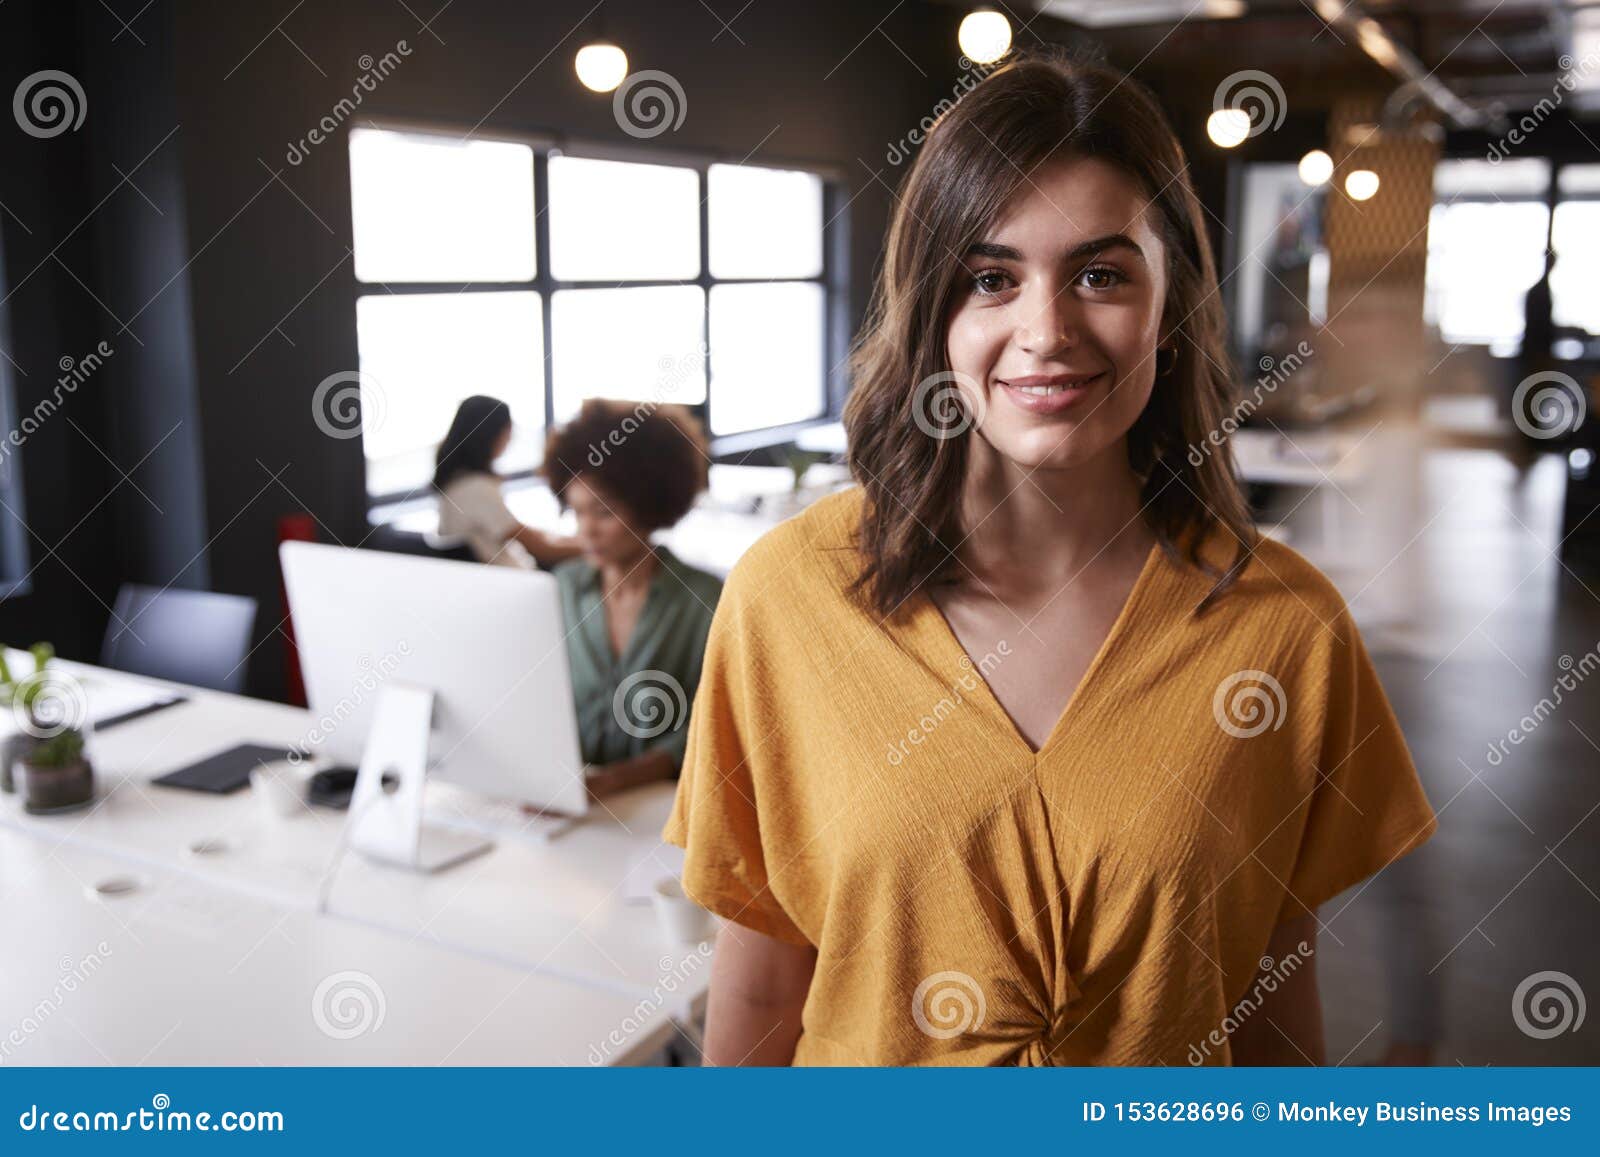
column 998, row 252
column 1101, row 244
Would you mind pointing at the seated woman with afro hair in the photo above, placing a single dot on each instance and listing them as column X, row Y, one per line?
column 637, row 616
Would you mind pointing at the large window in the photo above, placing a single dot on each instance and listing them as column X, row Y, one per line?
column 544, row 276
column 1486, row 244
column 1575, row 237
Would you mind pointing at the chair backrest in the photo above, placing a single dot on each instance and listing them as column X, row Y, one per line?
column 195, row 637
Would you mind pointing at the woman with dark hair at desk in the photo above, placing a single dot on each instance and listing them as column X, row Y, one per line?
column 471, row 506
column 637, row 616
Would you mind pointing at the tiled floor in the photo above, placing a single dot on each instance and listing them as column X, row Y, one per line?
column 1450, row 567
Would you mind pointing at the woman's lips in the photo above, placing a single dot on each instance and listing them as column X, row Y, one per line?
column 1049, row 393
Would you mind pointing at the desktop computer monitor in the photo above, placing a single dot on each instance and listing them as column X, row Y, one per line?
column 487, row 641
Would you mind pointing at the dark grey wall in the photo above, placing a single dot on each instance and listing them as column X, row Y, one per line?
column 45, row 196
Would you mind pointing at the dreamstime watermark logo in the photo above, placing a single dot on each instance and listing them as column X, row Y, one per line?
column 1249, row 702
column 348, row 1004
column 1548, row 404
column 1546, row 707
column 674, row 373
column 942, row 409
column 49, row 103
column 948, row 1004
column 1255, row 93
column 946, row 706
column 649, row 103
column 73, row 974
column 898, row 152
column 49, row 702
column 1274, row 372
column 1572, row 77
column 74, row 372
column 372, row 71
column 1270, row 974
column 348, row 403
column 674, row 976
column 370, row 678
column 1548, row 1004
column 648, row 703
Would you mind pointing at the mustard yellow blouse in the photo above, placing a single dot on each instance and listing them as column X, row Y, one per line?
column 853, row 785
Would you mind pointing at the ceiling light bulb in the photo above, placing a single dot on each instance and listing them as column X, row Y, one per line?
column 1316, row 167
column 1361, row 184
column 601, row 67
column 984, row 36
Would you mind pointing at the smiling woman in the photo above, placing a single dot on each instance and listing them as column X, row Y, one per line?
column 1145, row 743
column 1065, row 194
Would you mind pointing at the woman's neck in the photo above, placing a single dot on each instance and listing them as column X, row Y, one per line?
column 1026, row 527
column 630, row 575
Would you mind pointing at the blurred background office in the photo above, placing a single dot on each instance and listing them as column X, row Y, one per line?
column 254, row 256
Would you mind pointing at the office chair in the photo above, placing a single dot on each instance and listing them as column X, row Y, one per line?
column 194, row 637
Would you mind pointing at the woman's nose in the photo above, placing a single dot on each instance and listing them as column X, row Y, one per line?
column 1049, row 325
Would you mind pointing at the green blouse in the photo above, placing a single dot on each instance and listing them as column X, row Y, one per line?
column 639, row 701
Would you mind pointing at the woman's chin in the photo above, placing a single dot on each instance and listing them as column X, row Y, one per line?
column 1056, row 447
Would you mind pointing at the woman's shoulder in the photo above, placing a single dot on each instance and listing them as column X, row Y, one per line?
column 473, row 482
column 573, row 572
column 704, row 586
column 1279, row 592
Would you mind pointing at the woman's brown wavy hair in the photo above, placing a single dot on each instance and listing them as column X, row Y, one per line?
column 976, row 158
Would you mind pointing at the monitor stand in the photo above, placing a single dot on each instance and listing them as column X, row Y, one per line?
column 385, row 820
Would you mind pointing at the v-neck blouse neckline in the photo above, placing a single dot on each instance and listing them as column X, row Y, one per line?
column 943, row 648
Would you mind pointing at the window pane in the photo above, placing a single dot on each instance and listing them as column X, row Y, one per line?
column 428, row 207
column 422, row 353
column 1521, row 177
column 611, row 220
column 764, row 222
column 641, row 344
column 1579, row 179
column 1482, row 257
column 766, row 360
column 1573, row 300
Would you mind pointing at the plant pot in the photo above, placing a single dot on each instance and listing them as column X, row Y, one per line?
column 49, row 789
column 12, row 748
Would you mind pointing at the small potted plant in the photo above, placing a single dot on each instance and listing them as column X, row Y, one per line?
column 47, row 755
column 15, row 701
column 799, row 462
column 56, row 774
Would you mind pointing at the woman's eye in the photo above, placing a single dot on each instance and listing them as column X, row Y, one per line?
column 1102, row 277
column 991, row 281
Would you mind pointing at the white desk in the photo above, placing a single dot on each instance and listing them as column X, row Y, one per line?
column 179, row 972
column 556, row 910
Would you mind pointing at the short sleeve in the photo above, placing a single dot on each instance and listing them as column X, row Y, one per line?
column 482, row 505
column 1367, row 808
column 716, row 817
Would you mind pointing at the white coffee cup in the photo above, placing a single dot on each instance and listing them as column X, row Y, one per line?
column 682, row 920
column 278, row 790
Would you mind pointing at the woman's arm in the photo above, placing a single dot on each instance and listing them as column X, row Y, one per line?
column 547, row 549
column 758, row 987
column 1287, row 1028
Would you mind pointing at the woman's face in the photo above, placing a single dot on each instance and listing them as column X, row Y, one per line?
column 605, row 532
column 1054, row 330
column 500, row 443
